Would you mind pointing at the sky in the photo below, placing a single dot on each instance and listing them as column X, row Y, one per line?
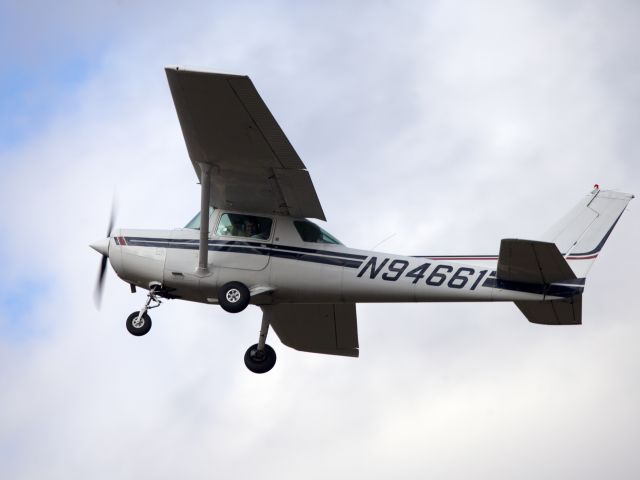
column 445, row 126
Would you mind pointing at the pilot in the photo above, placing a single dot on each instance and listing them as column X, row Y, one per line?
column 250, row 228
column 253, row 229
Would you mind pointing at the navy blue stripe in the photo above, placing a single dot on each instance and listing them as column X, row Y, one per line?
column 254, row 248
column 552, row 290
column 231, row 248
column 574, row 281
column 165, row 242
column 320, row 252
column 305, row 257
column 152, row 243
column 480, row 257
column 602, row 242
column 311, row 258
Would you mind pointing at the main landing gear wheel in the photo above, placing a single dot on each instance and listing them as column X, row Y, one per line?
column 260, row 358
column 138, row 325
column 234, row 297
column 260, row 361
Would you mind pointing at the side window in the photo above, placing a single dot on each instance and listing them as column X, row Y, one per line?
column 195, row 221
column 310, row 232
column 237, row 225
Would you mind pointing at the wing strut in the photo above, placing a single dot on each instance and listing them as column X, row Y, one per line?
column 205, row 192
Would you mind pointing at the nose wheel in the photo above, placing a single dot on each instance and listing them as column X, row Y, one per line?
column 139, row 323
column 260, row 358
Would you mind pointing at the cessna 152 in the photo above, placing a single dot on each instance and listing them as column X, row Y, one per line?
column 251, row 242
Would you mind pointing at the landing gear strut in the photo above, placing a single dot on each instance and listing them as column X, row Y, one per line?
column 139, row 323
column 260, row 358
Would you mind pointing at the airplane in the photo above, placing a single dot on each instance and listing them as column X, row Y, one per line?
column 252, row 241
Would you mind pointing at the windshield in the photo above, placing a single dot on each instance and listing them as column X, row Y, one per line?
column 195, row 221
column 310, row 232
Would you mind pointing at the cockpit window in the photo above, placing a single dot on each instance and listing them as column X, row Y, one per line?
column 310, row 232
column 237, row 225
column 195, row 221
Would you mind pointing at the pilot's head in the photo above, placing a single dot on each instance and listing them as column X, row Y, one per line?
column 250, row 227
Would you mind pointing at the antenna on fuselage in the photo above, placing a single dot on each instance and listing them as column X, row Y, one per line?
column 382, row 241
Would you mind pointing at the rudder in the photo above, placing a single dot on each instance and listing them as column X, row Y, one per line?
column 581, row 234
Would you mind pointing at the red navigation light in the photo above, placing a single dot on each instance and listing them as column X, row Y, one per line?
column 596, row 186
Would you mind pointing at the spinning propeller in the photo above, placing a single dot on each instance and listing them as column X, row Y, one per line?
column 102, row 246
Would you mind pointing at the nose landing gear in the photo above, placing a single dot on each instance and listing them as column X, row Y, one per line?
column 139, row 323
column 260, row 358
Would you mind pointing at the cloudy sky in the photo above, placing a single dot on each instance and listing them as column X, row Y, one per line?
column 454, row 123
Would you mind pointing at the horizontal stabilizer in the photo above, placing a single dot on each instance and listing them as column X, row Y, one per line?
column 555, row 312
column 318, row 328
column 532, row 261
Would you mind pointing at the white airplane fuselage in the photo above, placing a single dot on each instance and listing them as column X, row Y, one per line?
column 285, row 269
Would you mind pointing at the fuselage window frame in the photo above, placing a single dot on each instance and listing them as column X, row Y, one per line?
column 309, row 232
column 194, row 223
column 240, row 223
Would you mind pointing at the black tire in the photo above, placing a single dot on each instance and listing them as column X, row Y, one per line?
column 138, row 330
column 234, row 297
column 260, row 363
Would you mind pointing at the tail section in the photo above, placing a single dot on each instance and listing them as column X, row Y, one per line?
column 558, row 264
column 554, row 312
column 532, row 261
column 531, row 265
column 581, row 234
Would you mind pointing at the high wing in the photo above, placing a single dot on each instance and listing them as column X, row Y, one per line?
column 319, row 328
column 226, row 125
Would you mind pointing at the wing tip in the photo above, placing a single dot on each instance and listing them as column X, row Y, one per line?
column 195, row 69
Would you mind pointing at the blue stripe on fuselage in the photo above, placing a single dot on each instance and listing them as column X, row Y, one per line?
column 348, row 260
column 554, row 290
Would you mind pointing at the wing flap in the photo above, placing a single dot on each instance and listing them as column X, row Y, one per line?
column 297, row 189
column 319, row 328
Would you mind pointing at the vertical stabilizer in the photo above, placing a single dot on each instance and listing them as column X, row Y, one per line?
column 581, row 234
